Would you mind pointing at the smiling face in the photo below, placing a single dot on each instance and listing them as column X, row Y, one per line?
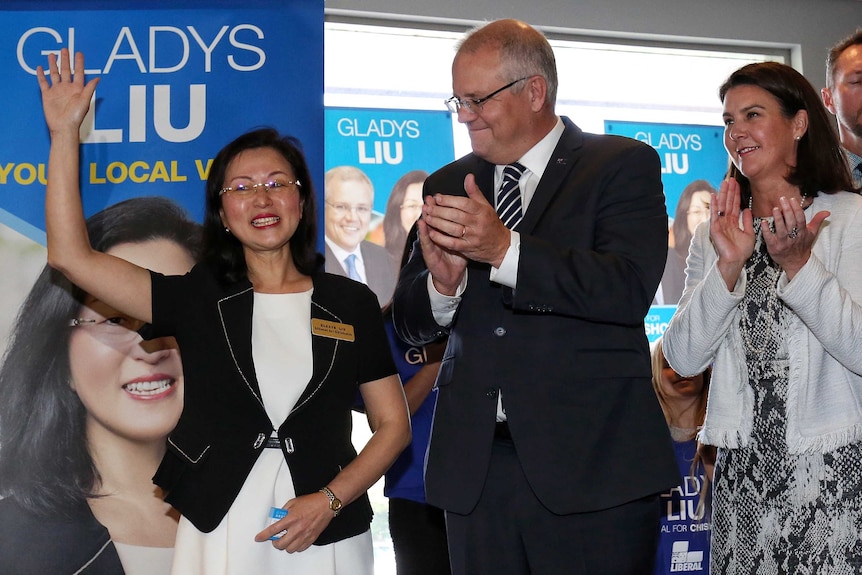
column 504, row 128
column 411, row 206
column 129, row 387
column 698, row 209
column 348, row 212
column 760, row 140
column 266, row 219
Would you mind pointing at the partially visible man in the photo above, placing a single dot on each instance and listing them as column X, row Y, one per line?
column 539, row 255
column 349, row 196
column 843, row 97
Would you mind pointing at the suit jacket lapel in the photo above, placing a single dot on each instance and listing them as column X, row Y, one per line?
column 562, row 161
column 485, row 180
column 235, row 311
column 323, row 349
column 236, row 314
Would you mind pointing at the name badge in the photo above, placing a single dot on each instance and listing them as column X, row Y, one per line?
column 332, row 329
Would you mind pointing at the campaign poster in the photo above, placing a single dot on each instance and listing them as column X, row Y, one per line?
column 693, row 163
column 175, row 86
column 177, row 82
column 376, row 161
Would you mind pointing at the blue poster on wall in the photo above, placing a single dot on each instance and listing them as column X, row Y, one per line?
column 693, row 163
column 176, row 85
column 687, row 153
column 385, row 144
column 376, row 163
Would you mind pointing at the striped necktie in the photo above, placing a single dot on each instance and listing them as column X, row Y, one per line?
column 509, row 196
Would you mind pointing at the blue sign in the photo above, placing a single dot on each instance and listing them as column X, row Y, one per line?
column 657, row 320
column 386, row 144
column 687, row 153
column 176, row 85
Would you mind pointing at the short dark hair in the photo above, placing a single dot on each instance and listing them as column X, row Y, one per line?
column 820, row 163
column 45, row 463
column 835, row 52
column 223, row 253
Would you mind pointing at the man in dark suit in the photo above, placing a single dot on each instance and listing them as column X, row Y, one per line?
column 349, row 197
column 548, row 448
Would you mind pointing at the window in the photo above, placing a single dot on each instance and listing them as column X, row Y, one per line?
column 407, row 67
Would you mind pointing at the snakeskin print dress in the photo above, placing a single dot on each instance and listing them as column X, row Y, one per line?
column 776, row 512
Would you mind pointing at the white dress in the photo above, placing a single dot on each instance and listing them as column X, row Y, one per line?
column 139, row 560
column 281, row 348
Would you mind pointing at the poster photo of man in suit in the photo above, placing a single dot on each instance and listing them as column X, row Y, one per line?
column 539, row 254
column 349, row 196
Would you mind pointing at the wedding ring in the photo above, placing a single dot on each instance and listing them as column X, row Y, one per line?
column 720, row 213
column 464, row 232
column 794, row 232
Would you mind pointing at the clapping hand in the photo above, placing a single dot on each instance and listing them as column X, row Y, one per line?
column 733, row 243
column 790, row 244
column 463, row 228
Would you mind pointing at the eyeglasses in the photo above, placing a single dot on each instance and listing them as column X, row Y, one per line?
column 271, row 187
column 475, row 104
column 120, row 329
column 344, row 209
column 412, row 206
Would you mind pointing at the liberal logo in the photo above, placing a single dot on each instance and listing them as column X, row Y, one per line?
column 682, row 560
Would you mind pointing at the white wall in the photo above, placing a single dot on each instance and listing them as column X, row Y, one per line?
column 807, row 27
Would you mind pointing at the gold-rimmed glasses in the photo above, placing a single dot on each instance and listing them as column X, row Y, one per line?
column 270, row 187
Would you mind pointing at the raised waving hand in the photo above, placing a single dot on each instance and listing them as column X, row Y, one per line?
column 65, row 101
column 65, row 96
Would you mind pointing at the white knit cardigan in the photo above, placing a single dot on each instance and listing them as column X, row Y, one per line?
column 824, row 403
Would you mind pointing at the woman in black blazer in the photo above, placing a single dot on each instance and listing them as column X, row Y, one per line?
column 273, row 351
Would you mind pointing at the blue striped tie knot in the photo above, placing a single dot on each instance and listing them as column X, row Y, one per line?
column 509, row 196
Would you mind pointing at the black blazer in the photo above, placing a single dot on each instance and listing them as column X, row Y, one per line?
column 567, row 347
column 380, row 271
column 68, row 543
column 224, row 426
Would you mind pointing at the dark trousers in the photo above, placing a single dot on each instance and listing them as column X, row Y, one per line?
column 511, row 533
column 419, row 537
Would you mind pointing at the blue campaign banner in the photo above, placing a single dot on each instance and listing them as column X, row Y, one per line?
column 687, row 152
column 657, row 319
column 385, row 144
column 176, row 85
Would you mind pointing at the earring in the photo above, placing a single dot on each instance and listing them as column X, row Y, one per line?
column 227, row 230
column 798, row 138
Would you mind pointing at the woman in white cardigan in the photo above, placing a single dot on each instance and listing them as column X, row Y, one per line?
column 773, row 300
